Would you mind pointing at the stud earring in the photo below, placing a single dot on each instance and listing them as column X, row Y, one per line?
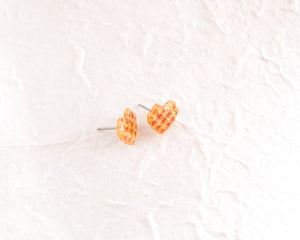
column 126, row 127
column 160, row 118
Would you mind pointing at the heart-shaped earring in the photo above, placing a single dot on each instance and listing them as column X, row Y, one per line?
column 126, row 127
column 160, row 118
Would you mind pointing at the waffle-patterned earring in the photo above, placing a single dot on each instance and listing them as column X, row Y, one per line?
column 126, row 127
column 160, row 118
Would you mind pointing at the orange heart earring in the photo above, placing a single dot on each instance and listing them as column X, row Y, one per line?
column 126, row 127
column 160, row 118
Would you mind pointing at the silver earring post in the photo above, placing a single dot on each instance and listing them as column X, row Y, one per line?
column 106, row 128
column 148, row 109
column 114, row 128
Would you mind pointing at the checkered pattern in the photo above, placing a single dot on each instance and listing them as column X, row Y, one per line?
column 160, row 117
column 127, row 127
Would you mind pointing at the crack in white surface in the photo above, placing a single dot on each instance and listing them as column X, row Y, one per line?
column 288, row 80
column 81, row 59
column 153, row 225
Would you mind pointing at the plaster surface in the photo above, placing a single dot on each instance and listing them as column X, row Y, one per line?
column 228, row 168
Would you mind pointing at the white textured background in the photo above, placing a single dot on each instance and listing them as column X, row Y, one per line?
column 227, row 169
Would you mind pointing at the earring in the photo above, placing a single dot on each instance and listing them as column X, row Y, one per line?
column 160, row 118
column 126, row 127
